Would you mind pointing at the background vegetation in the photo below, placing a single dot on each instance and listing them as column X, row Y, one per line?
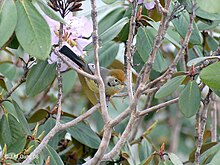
column 169, row 112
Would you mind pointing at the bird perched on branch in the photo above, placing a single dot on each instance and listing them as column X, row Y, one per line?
column 112, row 78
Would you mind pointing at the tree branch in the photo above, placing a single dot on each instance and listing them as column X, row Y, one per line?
column 57, row 128
column 128, row 58
column 201, row 129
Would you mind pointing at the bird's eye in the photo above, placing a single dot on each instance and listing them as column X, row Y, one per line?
column 116, row 80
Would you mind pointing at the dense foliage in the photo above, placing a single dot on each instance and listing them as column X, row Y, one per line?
column 173, row 49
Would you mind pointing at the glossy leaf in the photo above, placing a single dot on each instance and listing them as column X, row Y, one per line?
column 211, row 6
column 181, row 24
column 170, row 86
column 175, row 159
column 123, row 34
column 196, row 61
column 107, row 54
column 11, row 131
column 22, row 119
column 171, row 34
column 144, row 45
column 208, row 154
column 69, row 80
column 83, row 133
column 38, row 116
column 145, row 151
column 46, row 128
column 109, row 1
column 8, row 17
column 189, row 100
column 54, row 157
column 111, row 33
column 215, row 159
column 8, row 70
column 32, row 30
column 110, row 19
column 205, row 147
column 210, row 76
column 40, row 77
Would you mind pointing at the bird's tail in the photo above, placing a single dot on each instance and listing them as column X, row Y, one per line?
column 76, row 59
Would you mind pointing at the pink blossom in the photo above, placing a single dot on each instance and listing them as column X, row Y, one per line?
column 149, row 4
column 76, row 34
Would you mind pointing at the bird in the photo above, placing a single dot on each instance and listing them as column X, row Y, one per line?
column 113, row 78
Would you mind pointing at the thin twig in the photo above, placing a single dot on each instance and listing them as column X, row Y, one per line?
column 214, row 118
column 169, row 72
column 56, row 129
column 21, row 81
column 59, row 79
column 157, row 107
column 68, row 62
column 129, row 53
column 201, row 130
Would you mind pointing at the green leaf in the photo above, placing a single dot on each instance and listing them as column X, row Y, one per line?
column 144, row 151
column 111, row 33
column 189, row 100
column 22, row 119
column 211, row 6
column 123, row 34
column 208, row 154
column 46, row 128
column 216, row 159
column 11, row 132
column 109, row 1
column 175, row 159
column 8, row 20
column 181, row 24
column 54, row 157
column 32, row 30
column 40, row 77
column 210, row 76
column 207, row 25
column 144, row 46
column 50, row 12
column 83, row 133
column 208, row 10
column 69, row 79
column 8, row 70
column 110, row 19
column 205, row 147
column 170, row 86
column 212, row 42
column 196, row 61
column 38, row 116
column 171, row 34
column 107, row 54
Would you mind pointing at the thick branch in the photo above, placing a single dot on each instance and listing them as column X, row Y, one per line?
column 122, row 139
column 101, row 84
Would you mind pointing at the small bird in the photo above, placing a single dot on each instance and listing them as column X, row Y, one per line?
column 113, row 78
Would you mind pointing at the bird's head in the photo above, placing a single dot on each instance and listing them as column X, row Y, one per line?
column 115, row 82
